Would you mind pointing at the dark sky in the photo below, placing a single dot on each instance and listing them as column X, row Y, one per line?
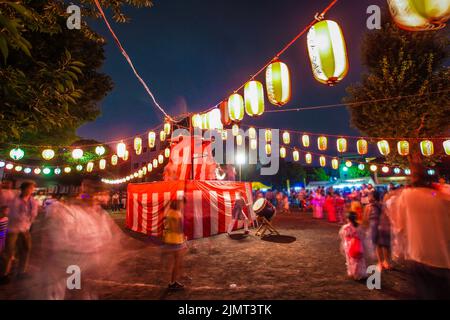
column 194, row 53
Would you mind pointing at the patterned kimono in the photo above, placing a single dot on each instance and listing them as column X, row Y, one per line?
column 317, row 203
column 356, row 267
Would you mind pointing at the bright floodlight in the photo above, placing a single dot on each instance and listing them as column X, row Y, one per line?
column 240, row 158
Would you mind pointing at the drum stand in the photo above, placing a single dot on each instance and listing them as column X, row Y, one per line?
column 265, row 225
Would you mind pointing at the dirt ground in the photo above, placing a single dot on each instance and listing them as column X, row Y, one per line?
column 303, row 263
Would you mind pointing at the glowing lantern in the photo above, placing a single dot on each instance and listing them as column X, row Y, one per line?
column 327, row 52
column 403, row 148
column 268, row 135
column 140, row 174
column 348, row 164
column 2, row 164
column 167, row 152
column 361, row 166
column 407, row 172
column 335, row 164
column 341, row 144
column 151, row 140
column 102, row 164
column 57, row 171
column 48, row 154
column 253, row 144
column 16, row 154
column 149, row 167
column 126, row 155
column 373, row 168
column 383, row 147
column 308, row 158
column 27, row 170
column 196, row 122
column 121, row 149
column 385, row 169
column 114, row 160
column 224, row 113
column 9, row 166
column 236, row 107
column 67, row 169
column 305, row 141
column 79, row 167
column 213, row 120
column 100, row 150
column 77, row 154
column 205, row 123
column 167, row 128
column 224, row 135
column 296, row 155
column 427, row 148
column 362, row 146
column 155, row 163
column 286, row 137
column 283, row 152
column 18, row 168
column 431, row 172
column 322, row 143
column 446, row 145
column 138, row 145
column 268, row 149
column 37, row 171
column 278, row 83
column 420, row 15
column 252, row 133
column 239, row 140
column 254, row 98
column 397, row 170
column 322, row 161
column 90, row 166
column 46, row 171
column 235, row 130
column 136, row 174
column 162, row 136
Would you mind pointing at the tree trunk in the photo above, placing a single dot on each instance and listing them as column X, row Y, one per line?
column 418, row 175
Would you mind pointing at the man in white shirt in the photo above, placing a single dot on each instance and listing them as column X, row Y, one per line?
column 23, row 211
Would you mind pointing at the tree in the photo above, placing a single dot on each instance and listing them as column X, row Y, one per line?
column 401, row 63
column 319, row 174
column 49, row 79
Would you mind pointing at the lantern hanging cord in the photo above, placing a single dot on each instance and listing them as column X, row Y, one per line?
column 286, row 47
column 124, row 53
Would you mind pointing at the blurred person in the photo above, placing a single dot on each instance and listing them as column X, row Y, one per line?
column 285, row 204
column 352, row 246
column 238, row 214
column 4, row 212
column 7, row 192
column 371, row 222
column 420, row 217
column 330, row 207
column 339, row 203
column 23, row 212
column 174, row 241
column 317, row 203
column 115, row 202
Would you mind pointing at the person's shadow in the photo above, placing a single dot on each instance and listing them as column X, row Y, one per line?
column 238, row 236
column 278, row 238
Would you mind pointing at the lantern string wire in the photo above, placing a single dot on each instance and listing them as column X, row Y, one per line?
column 285, row 48
column 130, row 62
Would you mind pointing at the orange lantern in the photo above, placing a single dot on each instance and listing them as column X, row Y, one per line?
column 427, row 148
column 224, row 113
column 383, row 147
column 322, row 143
column 403, row 148
column 362, row 146
column 341, row 145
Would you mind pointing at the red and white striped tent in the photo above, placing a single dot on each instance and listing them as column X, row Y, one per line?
column 207, row 211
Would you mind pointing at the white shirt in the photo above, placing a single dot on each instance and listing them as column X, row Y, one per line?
column 22, row 214
column 421, row 216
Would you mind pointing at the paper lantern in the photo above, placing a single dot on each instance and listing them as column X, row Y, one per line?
column 431, row 172
column 348, row 164
column 18, row 168
column 322, row 143
column 167, row 152
column 140, row 174
column 252, row 133
column 305, row 141
column 77, row 154
column 254, row 98
column 155, row 163
column 46, row 171
column 213, row 120
column 167, row 128
column 362, row 146
column 322, row 161
column 235, row 130
column 341, row 144
column 136, row 174
column 407, row 172
column 2, row 164
column 114, row 159
column 268, row 149
column 57, row 171
column 100, row 150
column 446, row 145
column 102, row 164
column 196, row 121
column 151, row 139
column 9, row 166
column 224, row 113
column 239, row 140
column 427, row 148
column 236, row 107
column 383, row 147
column 224, row 135
column 385, row 169
column 286, row 137
column 16, row 154
column 420, row 15
column 138, row 145
column 67, row 169
column 296, row 155
column 397, row 170
column 48, row 154
column 90, row 166
column 335, row 164
column 268, row 135
column 149, row 167
column 162, row 136
column 27, row 170
column 126, row 155
column 121, row 149
column 361, row 166
column 327, row 52
column 282, row 152
column 253, row 144
column 373, row 168
column 403, row 148
column 79, row 167
column 278, row 83
column 37, row 171
column 308, row 158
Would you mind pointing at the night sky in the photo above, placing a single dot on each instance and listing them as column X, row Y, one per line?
column 194, row 53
